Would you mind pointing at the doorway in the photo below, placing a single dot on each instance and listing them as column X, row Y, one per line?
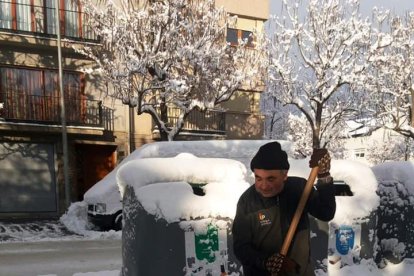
column 93, row 162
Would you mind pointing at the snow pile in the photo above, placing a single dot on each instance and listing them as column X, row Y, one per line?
column 363, row 184
column 41, row 230
column 241, row 150
column 369, row 268
column 76, row 220
column 400, row 173
column 361, row 181
column 162, row 185
column 392, row 245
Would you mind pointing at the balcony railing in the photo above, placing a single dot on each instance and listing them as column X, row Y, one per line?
column 46, row 110
column 41, row 19
column 207, row 121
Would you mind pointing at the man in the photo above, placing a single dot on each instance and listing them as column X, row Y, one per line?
column 265, row 210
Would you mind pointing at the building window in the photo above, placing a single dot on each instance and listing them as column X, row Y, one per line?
column 33, row 94
column 5, row 14
column 359, row 153
column 23, row 15
column 39, row 16
column 235, row 35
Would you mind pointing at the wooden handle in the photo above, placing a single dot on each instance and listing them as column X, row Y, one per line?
column 299, row 210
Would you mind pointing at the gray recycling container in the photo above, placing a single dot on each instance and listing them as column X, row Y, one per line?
column 153, row 247
column 395, row 231
column 178, row 214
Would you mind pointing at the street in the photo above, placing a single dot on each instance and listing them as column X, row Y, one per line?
column 61, row 257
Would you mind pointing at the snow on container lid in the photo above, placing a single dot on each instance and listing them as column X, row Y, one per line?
column 363, row 184
column 162, row 185
column 358, row 176
column 241, row 150
column 396, row 172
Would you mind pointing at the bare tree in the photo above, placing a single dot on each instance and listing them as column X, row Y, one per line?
column 319, row 62
column 395, row 149
column 393, row 75
column 170, row 54
column 276, row 117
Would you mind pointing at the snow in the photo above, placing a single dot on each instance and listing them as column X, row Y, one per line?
column 241, row 150
column 162, row 187
column 363, row 184
column 164, row 182
column 76, row 220
column 189, row 65
column 224, row 179
column 161, row 183
column 73, row 225
column 397, row 172
column 369, row 268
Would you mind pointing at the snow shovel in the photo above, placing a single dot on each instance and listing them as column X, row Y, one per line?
column 298, row 213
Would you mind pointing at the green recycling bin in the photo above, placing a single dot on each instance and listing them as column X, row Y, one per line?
column 178, row 215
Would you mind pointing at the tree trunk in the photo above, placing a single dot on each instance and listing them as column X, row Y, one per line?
column 163, row 135
column 164, row 118
column 316, row 131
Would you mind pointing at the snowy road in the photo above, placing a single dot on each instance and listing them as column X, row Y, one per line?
column 61, row 258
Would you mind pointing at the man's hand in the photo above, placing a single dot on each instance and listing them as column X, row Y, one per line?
column 320, row 158
column 278, row 264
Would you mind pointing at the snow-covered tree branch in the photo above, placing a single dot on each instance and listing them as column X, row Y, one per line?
column 318, row 64
column 393, row 82
column 171, row 53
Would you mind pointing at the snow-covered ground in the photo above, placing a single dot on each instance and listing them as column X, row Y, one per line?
column 369, row 268
column 28, row 248
column 34, row 231
column 73, row 225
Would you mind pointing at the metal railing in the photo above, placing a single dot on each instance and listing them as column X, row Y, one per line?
column 207, row 121
column 40, row 19
column 46, row 110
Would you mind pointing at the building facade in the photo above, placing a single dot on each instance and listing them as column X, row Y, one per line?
column 101, row 131
column 375, row 146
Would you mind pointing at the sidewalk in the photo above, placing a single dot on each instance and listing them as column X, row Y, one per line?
column 61, row 258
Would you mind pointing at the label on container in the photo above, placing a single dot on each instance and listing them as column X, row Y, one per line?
column 206, row 252
column 344, row 243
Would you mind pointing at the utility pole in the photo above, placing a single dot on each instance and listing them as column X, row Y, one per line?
column 62, row 109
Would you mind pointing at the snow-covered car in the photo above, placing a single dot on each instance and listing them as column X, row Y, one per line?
column 104, row 200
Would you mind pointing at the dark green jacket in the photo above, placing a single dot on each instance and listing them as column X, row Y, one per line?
column 261, row 224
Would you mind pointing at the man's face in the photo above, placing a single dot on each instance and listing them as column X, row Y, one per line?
column 269, row 182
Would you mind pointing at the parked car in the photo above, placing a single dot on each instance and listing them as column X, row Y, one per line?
column 104, row 199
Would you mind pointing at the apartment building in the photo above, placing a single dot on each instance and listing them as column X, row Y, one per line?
column 100, row 130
